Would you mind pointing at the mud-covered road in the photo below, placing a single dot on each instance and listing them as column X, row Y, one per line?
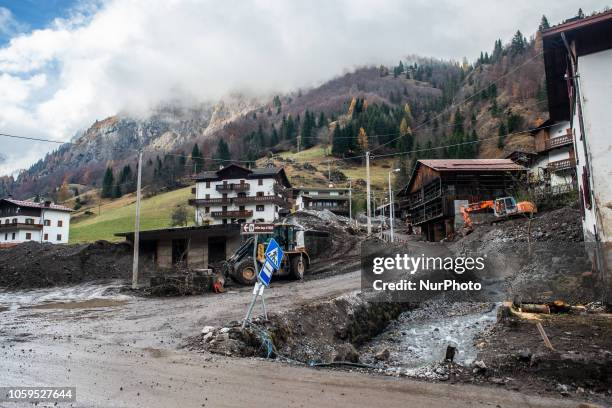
column 122, row 351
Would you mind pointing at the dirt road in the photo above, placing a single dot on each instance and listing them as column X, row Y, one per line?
column 123, row 352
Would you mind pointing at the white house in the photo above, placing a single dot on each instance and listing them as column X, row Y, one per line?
column 333, row 199
column 578, row 61
column 22, row 221
column 235, row 194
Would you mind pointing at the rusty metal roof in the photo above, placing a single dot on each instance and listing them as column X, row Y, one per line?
column 32, row 204
column 472, row 165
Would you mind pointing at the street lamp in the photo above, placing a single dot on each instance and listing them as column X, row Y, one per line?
column 391, row 209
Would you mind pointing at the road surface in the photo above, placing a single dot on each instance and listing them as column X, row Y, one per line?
column 125, row 352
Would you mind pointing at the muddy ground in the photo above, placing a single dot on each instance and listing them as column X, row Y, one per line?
column 129, row 354
column 39, row 265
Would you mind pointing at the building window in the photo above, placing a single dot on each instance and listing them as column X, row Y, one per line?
column 208, row 196
column 29, row 221
column 47, row 223
column 28, row 235
column 241, row 208
column 260, row 182
column 46, row 237
column 225, row 221
column 14, row 220
column 260, row 208
column 208, row 184
column 60, row 223
column 13, row 236
column 206, row 210
column 260, row 194
column 6, row 221
column 59, row 237
column 6, row 236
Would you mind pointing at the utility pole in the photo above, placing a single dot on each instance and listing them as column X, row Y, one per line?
column 137, row 225
column 368, row 199
column 391, row 206
column 350, row 201
column 328, row 172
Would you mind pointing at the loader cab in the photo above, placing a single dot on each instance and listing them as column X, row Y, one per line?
column 289, row 236
column 505, row 206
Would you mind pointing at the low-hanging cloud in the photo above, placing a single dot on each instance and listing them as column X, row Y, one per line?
column 131, row 55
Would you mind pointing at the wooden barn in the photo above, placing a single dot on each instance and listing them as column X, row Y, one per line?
column 437, row 188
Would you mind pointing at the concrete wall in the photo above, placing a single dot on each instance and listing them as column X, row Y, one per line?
column 164, row 253
column 198, row 252
column 595, row 84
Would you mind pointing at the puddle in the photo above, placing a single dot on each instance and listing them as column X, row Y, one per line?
column 419, row 338
column 65, row 297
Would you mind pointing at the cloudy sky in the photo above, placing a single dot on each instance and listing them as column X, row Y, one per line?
column 66, row 63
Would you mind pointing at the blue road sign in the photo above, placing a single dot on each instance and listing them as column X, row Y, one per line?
column 265, row 273
column 274, row 253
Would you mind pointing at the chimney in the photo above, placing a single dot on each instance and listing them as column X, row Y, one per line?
column 47, row 203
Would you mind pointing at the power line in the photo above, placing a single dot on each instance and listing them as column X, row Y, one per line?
column 37, row 139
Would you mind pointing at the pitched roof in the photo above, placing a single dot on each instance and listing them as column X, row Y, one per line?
column 248, row 173
column 472, row 165
column 32, row 204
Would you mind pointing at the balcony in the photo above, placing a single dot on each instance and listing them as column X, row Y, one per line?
column 237, row 200
column 259, row 199
column 209, row 201
column 561, row 165
column 20, row 225
column 232, row 214
column 558, row 141
column 238, row 187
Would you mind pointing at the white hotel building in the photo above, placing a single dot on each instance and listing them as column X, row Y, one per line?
column 22, row 221
column 235, row 194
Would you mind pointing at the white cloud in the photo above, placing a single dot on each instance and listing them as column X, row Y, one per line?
column 133, row 54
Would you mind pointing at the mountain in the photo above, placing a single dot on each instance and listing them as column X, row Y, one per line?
column 442, row 102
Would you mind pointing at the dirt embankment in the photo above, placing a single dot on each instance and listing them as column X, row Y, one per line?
column 36, row 265
column 319, row 333
column 343, row 253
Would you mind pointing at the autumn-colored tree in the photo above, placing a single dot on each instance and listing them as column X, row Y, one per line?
column 63, row 193
column 352, row 106
column 362, row 140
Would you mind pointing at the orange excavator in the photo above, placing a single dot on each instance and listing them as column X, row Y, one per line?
column 502, row 208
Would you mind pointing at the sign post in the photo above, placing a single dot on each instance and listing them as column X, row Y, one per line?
column 274, row 257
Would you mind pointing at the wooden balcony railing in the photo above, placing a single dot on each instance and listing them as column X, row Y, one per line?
column 20, row 225
column 237, row 200
column 233, row 187
column 558, row 141
column 259, row 199
column 560, row 165
column 232, row 214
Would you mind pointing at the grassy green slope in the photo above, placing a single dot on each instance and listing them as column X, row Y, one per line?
column 118, row 216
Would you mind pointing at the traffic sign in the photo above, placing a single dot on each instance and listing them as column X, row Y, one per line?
column 274, row 253
column 256, row 228
column 265, row 273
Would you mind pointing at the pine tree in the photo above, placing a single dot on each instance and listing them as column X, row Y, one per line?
column 117, row 191
column 517, row 46
column 544, row 24
column 197, row 161
column 322, row 120
column 223, row 153
column 107, row 183
column 274, row 137
column 338, row 144
column 501, row 133
column 497, row 51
